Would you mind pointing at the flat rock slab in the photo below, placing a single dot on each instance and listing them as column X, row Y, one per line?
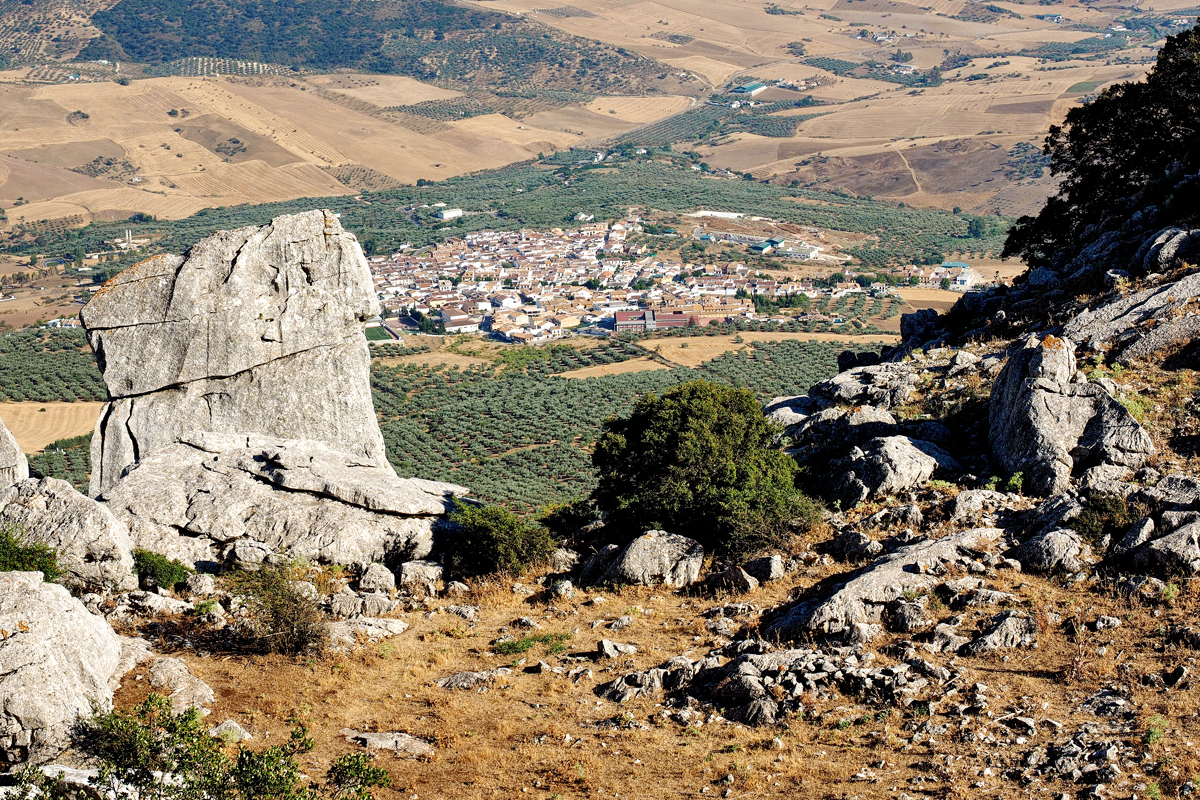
column 348, row 634
column 402, row 744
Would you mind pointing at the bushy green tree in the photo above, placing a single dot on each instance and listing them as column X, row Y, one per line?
column 698, row 460
column 493, row 539
column 1118, row 154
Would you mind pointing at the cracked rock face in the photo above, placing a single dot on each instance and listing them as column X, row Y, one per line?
column 254, row 331
column 238, row 500
column 13, row 466
column 1142, row 324
column 1048, row 424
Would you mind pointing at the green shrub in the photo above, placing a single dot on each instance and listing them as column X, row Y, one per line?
column 698, row 460
column 163, row 571
column 555, row 644
column 492, row 539
column 153, row 754
column 1105, row 514
column 16, row 557
column 282, row 618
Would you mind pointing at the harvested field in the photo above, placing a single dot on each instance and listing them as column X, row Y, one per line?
column 382, row 90
column 620, row 368
column 36, row 425
column 694, row 351
column 639, row 109
column 937, row 299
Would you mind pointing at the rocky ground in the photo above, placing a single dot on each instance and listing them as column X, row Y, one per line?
column 1000, row 601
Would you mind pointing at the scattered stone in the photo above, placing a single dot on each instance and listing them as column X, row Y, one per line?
column 402, row 744
column 472, row 680
column 1107, row 623
column 184, row 689
column 377, row 578
column 345, row 606
column 564, row 589
column 1008, row 630
column 1055, row 551
column 420, row 572
column 734, row 580
column 457, row 588
column 346, row 635
column 201, row 584
column 767, row 568
column 469, row 613
column 657, row 557
column 610, row 649
column 230, row 731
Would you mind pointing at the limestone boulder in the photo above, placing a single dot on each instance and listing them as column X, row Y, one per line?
column 95, row 552
column 1054, row 551
column 657, row 558
column 254, row 331
column 863, row 596
column 888, row 465
column 1048, row 423
column 883, row 385
column 13, row 465
column 56, row 664
column 235, row 501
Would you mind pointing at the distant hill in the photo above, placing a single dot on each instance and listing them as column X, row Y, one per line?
column 425, row 39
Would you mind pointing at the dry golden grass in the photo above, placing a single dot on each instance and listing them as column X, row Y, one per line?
column 382, row 90
column 36, row 425
column 535, row 734
column 694, row 351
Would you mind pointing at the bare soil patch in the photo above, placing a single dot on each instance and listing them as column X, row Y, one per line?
column 620, row 368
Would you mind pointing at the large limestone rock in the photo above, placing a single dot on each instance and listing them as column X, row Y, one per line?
column 1142, row 324
column 255, row 331
column 230, row 500
column 889, row 465
column 94, row 550
column 56, row 664
column 1049, row 423
column 883, row 385
column 13, row 466
column 863, row 596
column 657, row 558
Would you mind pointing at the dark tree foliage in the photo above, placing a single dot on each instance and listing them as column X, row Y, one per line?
column 698, row 460
column 1123, row 152
column 491, row 539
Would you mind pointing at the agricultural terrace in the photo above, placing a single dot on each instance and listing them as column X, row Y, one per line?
column 507, row 423
column 551, row 192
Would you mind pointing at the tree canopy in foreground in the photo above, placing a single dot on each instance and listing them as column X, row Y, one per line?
column 698, row 460
column 1127, row 150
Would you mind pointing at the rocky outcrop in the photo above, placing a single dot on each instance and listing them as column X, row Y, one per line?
column 94, row 549
column 254, row 331
column 1143, row 324
column 889, row 465
column 1049, row 423
column 240, row 425
column 13, row 465
column 237, row 500
column 883, row 386
column 654, row 558
column 56, row 664
column 862, row 597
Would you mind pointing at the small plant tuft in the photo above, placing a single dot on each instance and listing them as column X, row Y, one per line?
column 16, row 557
column 282, row 618
column 162, row 571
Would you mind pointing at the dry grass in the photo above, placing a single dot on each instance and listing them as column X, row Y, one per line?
column 619, row 368
column 36, row 425
column 537, row 732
